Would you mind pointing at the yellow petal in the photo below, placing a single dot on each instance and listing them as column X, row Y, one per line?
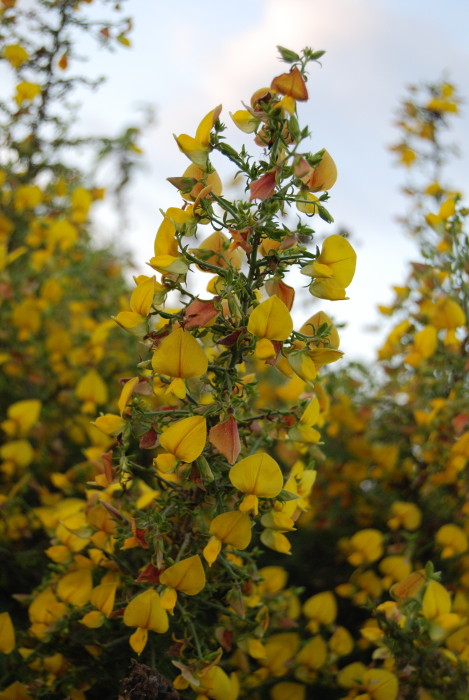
column 382, row 684
column 138, row 640
column 186, row 438
column 271, row 320
column 340, row 256
column 93, row 619
column 75, row 588
column 180, row 355
column 258, row 474
column 187, row 576
column 212, row 550
column 193, row 149
column 145, row 611
column 142, row 297
column 7, row 634
column 102, row 597
column 206, row 125
column 436, row 600
column 110, row 424
column 126, row 393
column 232, row 528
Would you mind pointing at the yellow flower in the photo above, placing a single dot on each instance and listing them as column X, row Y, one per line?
column 186, row 576
column 7, row 634
column 15, row 691
column 245, row 121
column 341, row 642
column 91, row 390
column 75, row 587
column 320, row 609
column 406, row 515
column 145, row 612
column 180, row 355
column 424, row 346
column 21, row 417
column 101, row 597
column 15, row 55
column 197, row 149
column 380, row 684
column 333, row 270
column 26, row 91
column 271, row 320
column 436, row 600
column 126, row 393
column 320, row 177
column 311, row 658
column 186, row 438
column 81, row 201
column 167, row 258
column 216, row 250
column 27, row 197
column 110, row 424
column 280, row 651
column 447, row 313
column 217, row 685
column 366, row 546
column 232, row 528
column 142, row 297
column 257, row 476
column 288, row 691
column 44, row 610
column 452, row 539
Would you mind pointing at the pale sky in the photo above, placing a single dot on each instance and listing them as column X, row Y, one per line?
column 187, row 57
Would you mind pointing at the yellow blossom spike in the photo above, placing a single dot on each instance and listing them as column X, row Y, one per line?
column 187, row 576
column 186, row 438
column 271, row 320
column 258, row 475
column 7, row 634
column 180, row 355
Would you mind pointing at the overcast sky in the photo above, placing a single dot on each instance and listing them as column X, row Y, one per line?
column 187, row 57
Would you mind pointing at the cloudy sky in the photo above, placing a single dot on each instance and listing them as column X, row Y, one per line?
column 187, row 57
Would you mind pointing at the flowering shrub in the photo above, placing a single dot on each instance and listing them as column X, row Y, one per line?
column 148, row 529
